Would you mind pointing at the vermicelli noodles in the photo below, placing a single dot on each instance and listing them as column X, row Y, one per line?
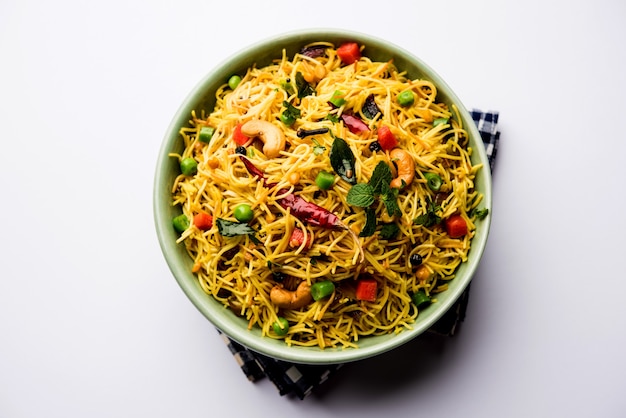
column 379, row 250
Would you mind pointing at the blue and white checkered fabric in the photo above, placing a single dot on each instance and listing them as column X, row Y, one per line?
column 300, row 379
column 487, row 123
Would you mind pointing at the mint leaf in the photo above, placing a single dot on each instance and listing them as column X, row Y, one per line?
column 342, row 160
column 390, row 199
column 381, row 177
column 389, row 231
column 370, row 223
column 361, row 195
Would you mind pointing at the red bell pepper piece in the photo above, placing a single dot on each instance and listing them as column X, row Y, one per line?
column 349, row 52
column 456, row 226
column 386, row 138
column 366, row 289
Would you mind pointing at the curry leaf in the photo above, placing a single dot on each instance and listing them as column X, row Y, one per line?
column 232, row 229
column 342, row 160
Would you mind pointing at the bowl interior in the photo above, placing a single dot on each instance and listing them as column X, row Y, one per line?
column 203, row 97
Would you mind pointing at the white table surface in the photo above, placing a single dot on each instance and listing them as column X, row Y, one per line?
column 92, row 324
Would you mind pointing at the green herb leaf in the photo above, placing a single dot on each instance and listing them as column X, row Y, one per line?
column 231, row 229
column 342, row 160
column 381, row 177
column 290, row 114
column 333, row 118
column 361, row 195
column 304, row 88
column 318, row 149
column 370, row 223
column 389, row 231
column 390, row 199
column 271, row 265
column 480, row 213
column 429, row 218
column 440, row 121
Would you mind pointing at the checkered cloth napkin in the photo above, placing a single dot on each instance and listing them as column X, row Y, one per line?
column 301, row 379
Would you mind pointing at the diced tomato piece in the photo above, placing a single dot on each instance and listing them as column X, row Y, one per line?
column 203, row 221
column 297, row 238
column 354, row 124
column 456, row 226
column 349, row 52
column 386, row 138
column 366, row 289
column 238, row 136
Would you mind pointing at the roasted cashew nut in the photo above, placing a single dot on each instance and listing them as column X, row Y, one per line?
column 271, row 135
column 313, row 71
column 406, row 168
column 291, row 299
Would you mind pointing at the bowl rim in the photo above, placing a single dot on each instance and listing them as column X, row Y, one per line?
column 248, row 338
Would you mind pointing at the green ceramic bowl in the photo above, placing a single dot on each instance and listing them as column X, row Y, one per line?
column 202, row 97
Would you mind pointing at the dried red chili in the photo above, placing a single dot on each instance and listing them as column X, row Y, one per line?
column 307, row 212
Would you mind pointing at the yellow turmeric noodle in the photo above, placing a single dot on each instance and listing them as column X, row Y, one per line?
column 405, row 249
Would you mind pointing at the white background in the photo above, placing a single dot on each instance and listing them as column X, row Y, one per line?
column 92, row 324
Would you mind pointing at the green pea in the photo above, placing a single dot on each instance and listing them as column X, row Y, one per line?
column 188, row 166
column 180, row 223
column 406, row 98
column 434, row 181
column 287, row 118
column 234, row 81
column 321, row 290
column 324, row 180
column 206, row 133
column 243, row 213
column 281, row 326
column 420, row 298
